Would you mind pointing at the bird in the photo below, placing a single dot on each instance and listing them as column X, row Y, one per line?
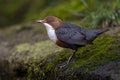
column 67, row 35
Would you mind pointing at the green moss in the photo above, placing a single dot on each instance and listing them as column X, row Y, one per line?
column 35, row 58
column 87, row 58
column 103, row 51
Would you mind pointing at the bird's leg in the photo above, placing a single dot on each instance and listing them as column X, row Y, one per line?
column 70, row 58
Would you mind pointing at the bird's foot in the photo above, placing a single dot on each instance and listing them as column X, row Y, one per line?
column 68, row 61
column 65, row 64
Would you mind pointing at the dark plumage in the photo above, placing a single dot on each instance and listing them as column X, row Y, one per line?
column 76, row 36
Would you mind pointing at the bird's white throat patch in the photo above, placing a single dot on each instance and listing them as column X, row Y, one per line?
column 51, row 32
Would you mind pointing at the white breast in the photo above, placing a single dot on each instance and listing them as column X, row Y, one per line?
column 51, row 32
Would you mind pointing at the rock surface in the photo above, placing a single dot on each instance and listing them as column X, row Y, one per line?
column 111, row 69
column 27, row 54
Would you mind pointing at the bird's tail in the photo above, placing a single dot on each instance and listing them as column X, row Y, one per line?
column 92, row 34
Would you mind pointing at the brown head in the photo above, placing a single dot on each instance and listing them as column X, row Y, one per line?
column 51, row 20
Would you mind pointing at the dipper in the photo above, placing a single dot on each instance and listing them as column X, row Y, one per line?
column 68, row 35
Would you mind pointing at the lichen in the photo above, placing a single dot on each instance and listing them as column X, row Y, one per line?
column 38, row 51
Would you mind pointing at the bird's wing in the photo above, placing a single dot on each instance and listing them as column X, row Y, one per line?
column 70, row 34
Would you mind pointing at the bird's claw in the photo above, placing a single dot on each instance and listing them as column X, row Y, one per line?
column 63, row 66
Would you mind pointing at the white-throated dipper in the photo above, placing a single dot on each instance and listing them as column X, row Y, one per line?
column 68, row 35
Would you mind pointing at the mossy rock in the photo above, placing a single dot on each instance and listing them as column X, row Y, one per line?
column 104, row 50
column 27, row 52
column 42, row 60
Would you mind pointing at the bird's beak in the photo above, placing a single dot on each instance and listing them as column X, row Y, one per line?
column 39, row 21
